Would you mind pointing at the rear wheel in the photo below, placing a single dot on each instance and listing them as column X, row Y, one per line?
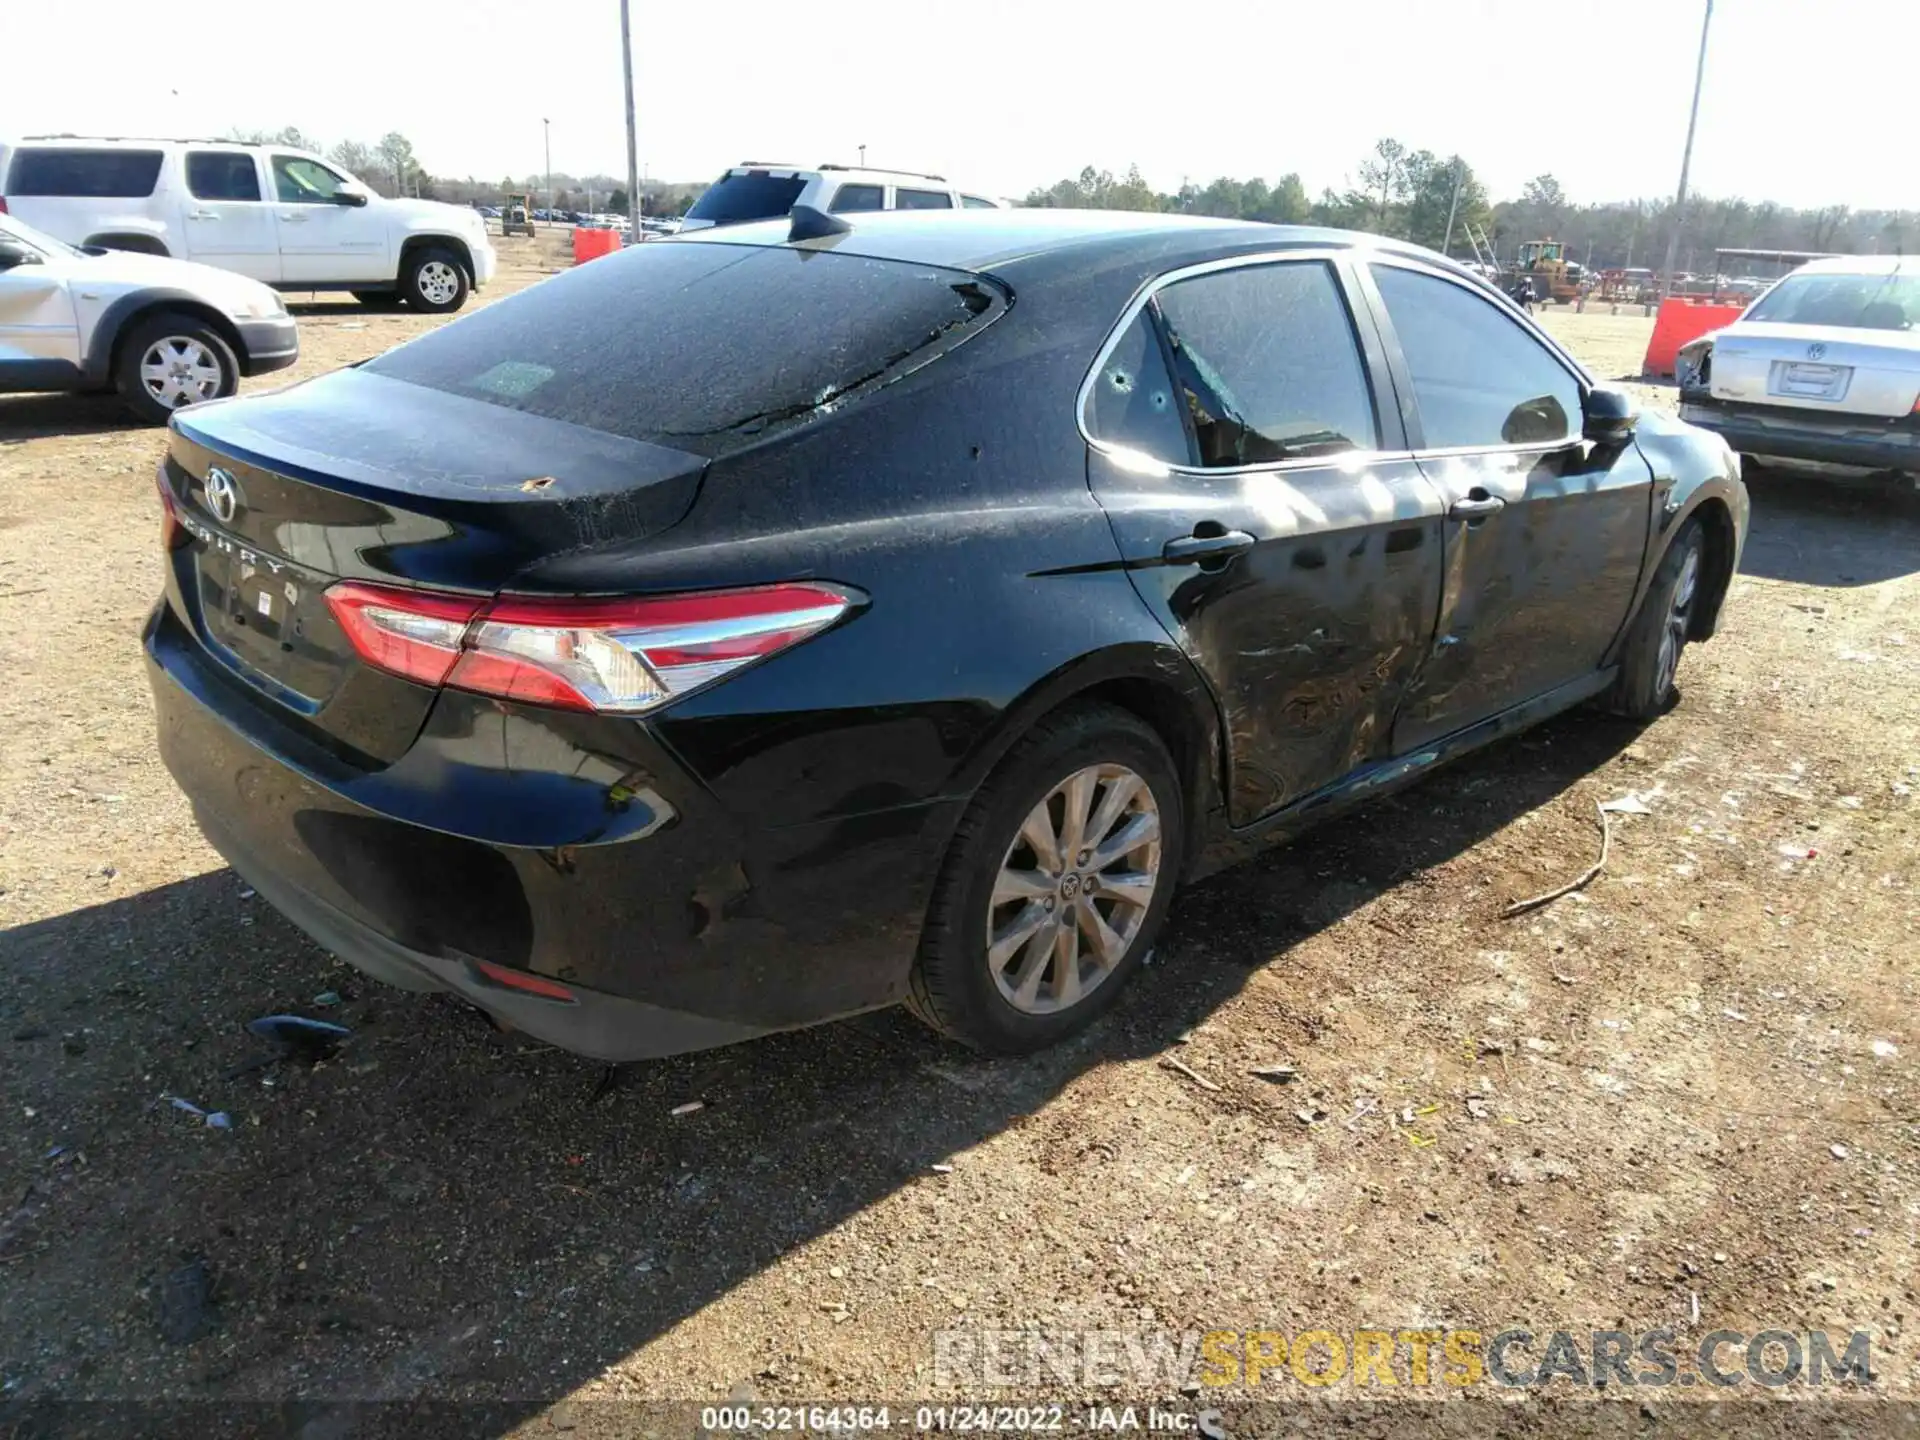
column 434, row 280
column 168, row 362
column 1651, row 659
column 1057, row 882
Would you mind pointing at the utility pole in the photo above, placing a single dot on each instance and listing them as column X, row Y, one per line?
column 1686, row 156
column 546, row 135
column 633, row 150
column 1453, row 209
column 863, row 157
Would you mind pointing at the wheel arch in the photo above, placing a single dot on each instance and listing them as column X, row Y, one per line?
column 413, row 244
column 1155, row 683
column 137, row 242
column 119, row 318
column 1722, row 548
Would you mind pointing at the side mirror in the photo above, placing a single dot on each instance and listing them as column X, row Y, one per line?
column 1610, row 417
column 350, row 197
column 13, row 253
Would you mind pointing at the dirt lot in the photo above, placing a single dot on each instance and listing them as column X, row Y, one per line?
column 1692, row 1091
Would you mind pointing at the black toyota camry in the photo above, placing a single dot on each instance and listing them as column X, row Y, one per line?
column 768, row 625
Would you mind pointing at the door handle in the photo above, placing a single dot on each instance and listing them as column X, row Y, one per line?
column 202, row 215
column 1476, row 507
column 295, row 217
column 1195, row 549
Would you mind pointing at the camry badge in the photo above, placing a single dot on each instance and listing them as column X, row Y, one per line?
column 223, row 495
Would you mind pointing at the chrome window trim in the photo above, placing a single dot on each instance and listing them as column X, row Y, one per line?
column 1133, row 459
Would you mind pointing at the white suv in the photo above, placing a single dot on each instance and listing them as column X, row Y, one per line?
column 761, row 191
column 281, row 216
column 164, row 333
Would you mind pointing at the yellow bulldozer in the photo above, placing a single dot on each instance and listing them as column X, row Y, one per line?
column 1543, row 265
column 516, row 216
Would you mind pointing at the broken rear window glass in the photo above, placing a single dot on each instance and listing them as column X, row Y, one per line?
column 701, row 345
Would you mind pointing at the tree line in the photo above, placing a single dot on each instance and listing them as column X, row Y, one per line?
column 390, row 167
column 1409, row 194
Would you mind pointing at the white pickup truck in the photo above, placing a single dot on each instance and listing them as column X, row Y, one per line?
column 278, row 215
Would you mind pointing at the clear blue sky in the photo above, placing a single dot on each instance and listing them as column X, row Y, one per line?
column 1807, row 101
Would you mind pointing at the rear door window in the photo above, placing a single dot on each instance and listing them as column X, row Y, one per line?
column 222, row 175
column 88, row 174
column 754, row 195
column 700, row 345
column 853, row 199
column 905, row 199
column 1267, row 364
column 1133, row 402
column 1479, row 380
column 977, row 202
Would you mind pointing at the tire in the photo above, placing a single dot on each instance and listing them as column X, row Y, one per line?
column 378, row 299
column 169, row 361
column 434, row 280
column 1651, row 657
column 1034, row 1000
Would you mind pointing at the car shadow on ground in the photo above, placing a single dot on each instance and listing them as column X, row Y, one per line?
column 443, row 1210
column 41, row 415
column 1816, row 531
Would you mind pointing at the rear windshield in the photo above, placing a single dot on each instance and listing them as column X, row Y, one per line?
column 103, row 174
column 733, row 199
column 703, row 346
column 1855, row 302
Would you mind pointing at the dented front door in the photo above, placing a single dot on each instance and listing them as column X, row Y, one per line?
column 1545, row 532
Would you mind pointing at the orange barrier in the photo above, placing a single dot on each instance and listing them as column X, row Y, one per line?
column 1678, row 322
column 592, row 244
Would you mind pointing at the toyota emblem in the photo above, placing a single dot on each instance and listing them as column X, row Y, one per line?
column 223, row 495
column 1816, row 350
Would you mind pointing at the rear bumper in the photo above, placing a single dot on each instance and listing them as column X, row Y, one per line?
column 268, row 345
column 553, row 846
column 1860, row 441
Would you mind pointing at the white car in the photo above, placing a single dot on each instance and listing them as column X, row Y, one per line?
column 1821, row 373
column 761, row 191
column 281, row 216
column 164, row 333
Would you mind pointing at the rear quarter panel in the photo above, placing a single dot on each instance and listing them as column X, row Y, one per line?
column 957, row 501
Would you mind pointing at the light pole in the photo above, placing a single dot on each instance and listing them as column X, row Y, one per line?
column 546, row 135
column 863, row 157
column 1453, row 208
column 1686, row 156
column 633, row 152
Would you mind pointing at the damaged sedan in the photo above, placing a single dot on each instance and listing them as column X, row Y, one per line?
column 790, row 620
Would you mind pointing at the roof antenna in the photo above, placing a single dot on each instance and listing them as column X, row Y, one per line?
column 812, row 224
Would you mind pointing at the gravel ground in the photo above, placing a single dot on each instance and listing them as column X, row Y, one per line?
column 1682, row 1097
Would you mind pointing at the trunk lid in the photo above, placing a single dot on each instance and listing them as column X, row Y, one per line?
column 358, row 476
column 1818, row 368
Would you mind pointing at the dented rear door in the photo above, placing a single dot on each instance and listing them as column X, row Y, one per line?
column 1248, row 475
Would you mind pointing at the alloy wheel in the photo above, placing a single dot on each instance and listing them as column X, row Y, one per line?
column 1673, row 635
column 179, row 370
column 1073, row 889
column 439, row 282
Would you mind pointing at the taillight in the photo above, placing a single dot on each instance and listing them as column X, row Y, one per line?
column 406, row 632
column 624, row 656
column 173, row 535
column 3, row 204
